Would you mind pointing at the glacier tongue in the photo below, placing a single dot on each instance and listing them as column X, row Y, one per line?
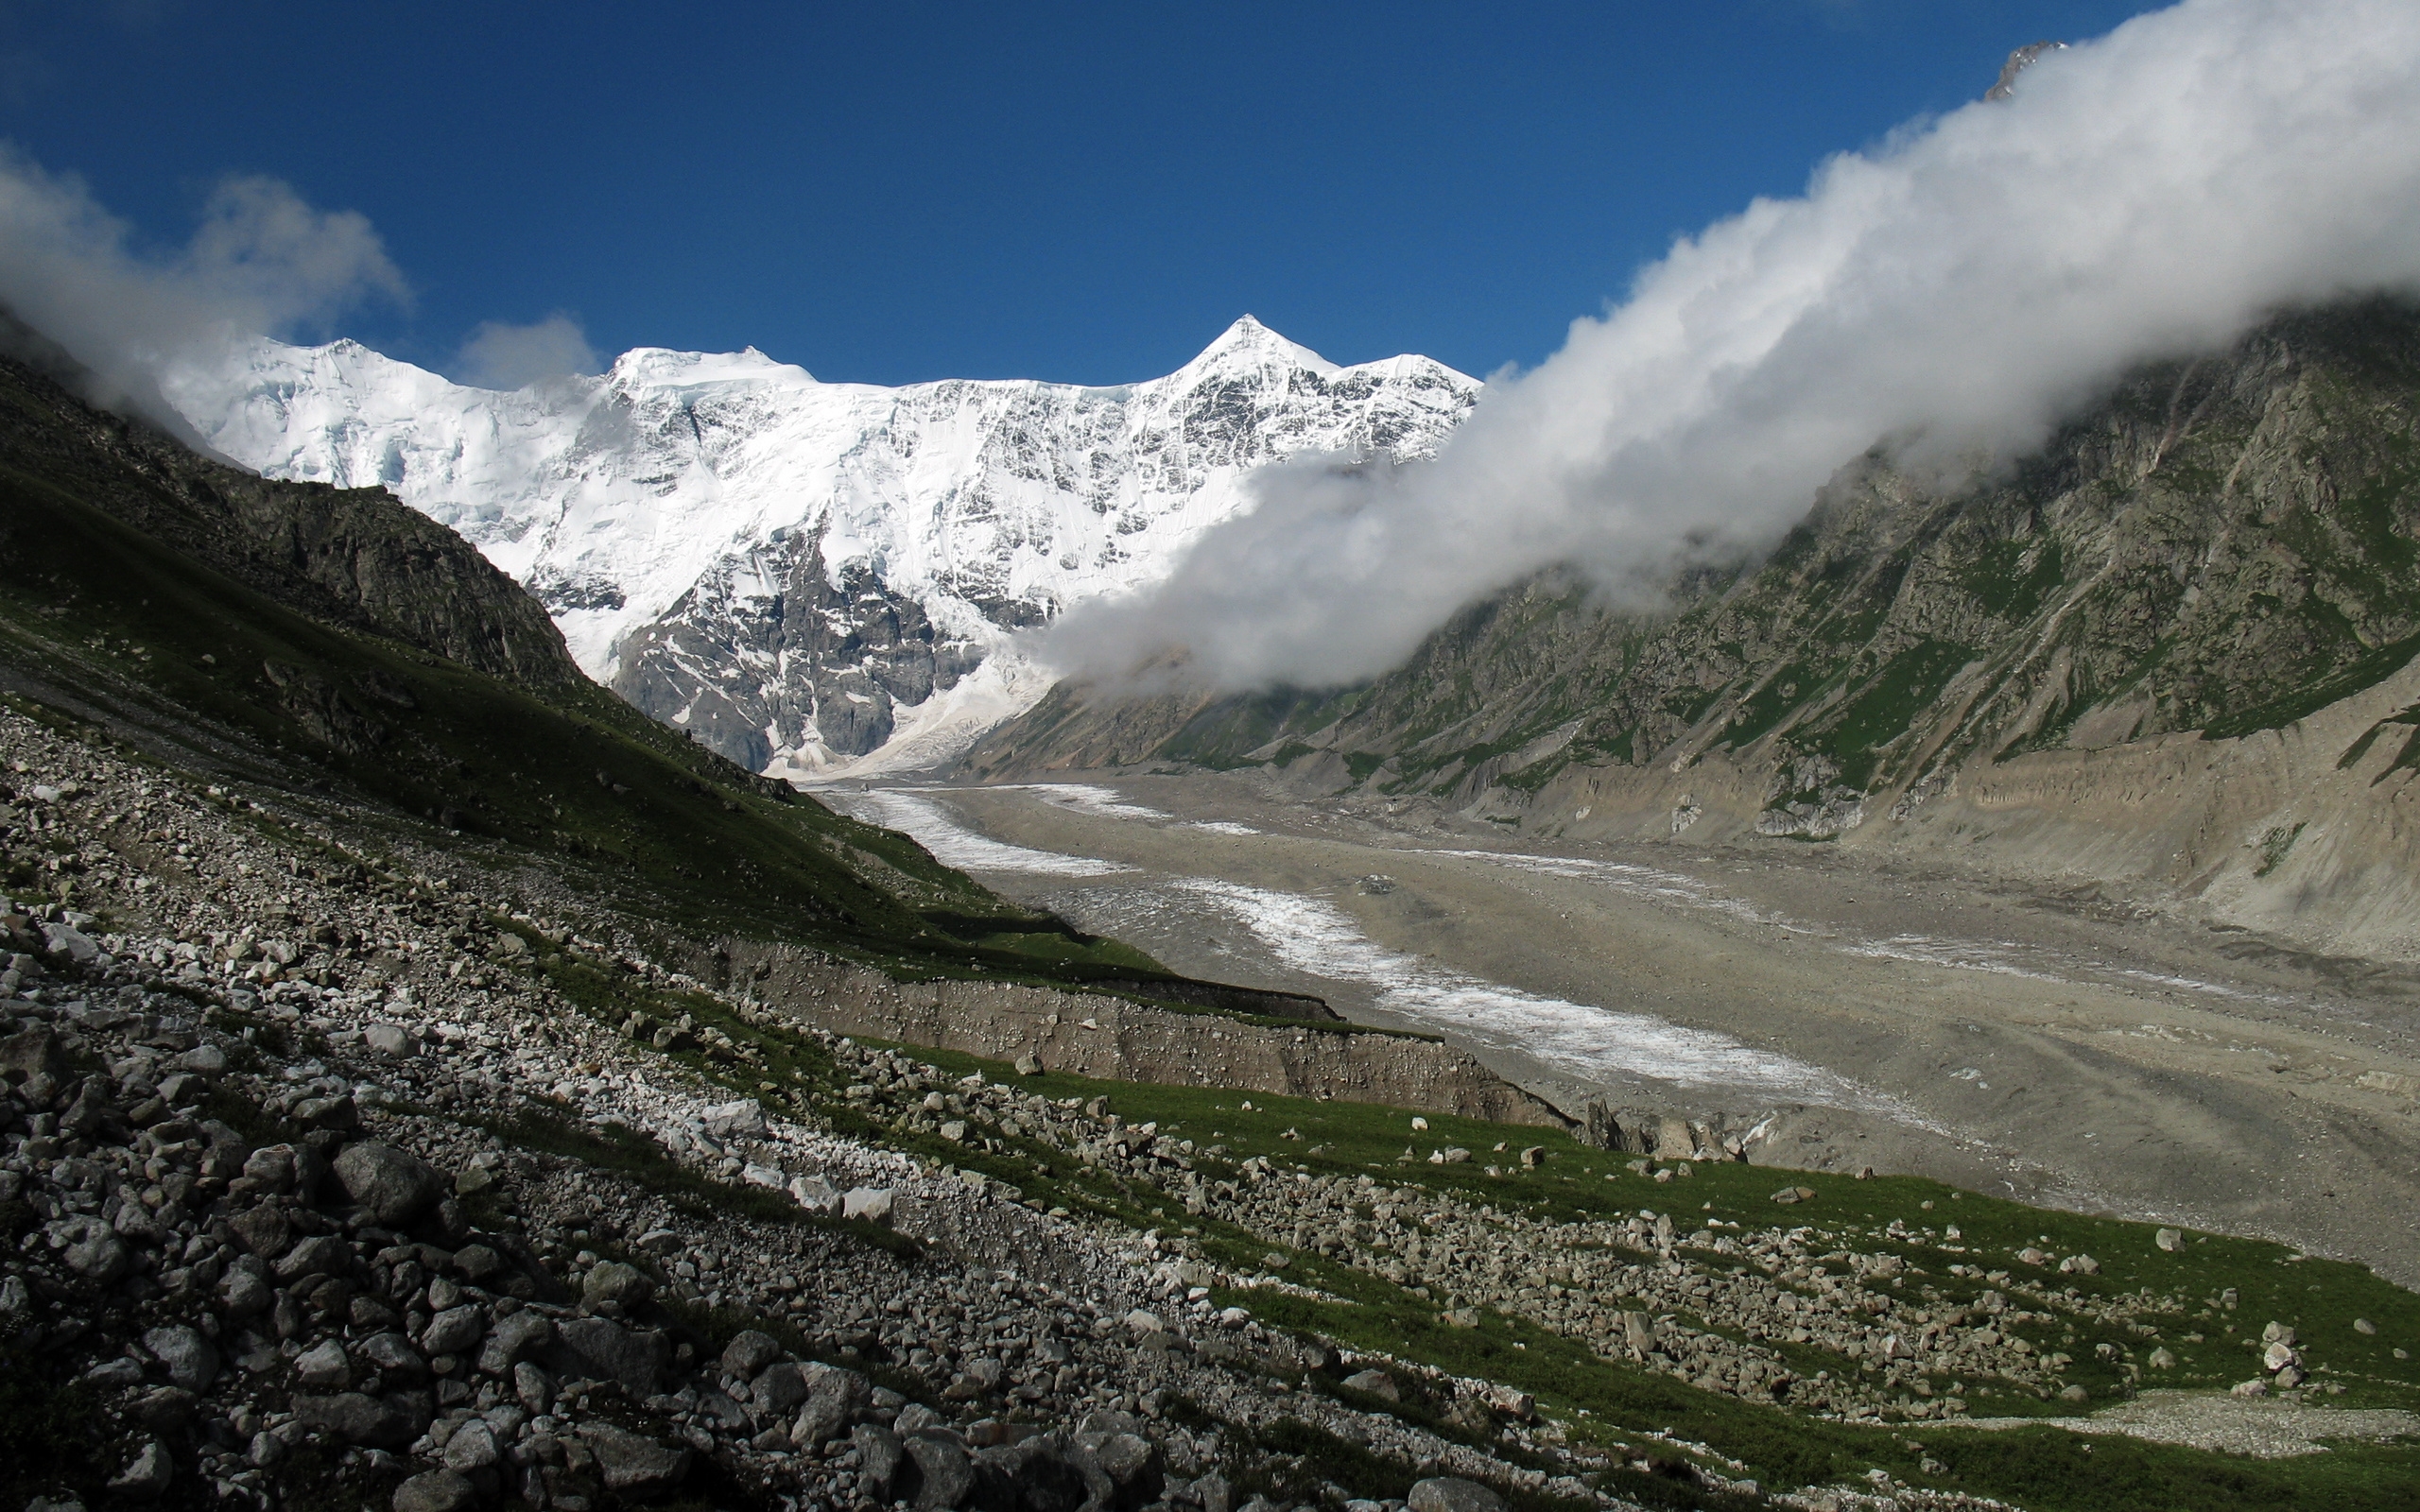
column 815, row 579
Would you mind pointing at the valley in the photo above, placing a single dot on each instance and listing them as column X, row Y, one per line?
column 1856, row 1011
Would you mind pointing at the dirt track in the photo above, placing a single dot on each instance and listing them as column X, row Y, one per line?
column 2059, row 1050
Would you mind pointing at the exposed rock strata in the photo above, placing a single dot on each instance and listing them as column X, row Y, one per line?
column 1120, row 1041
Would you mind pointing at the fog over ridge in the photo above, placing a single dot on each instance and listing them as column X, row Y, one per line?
column 1955, row 292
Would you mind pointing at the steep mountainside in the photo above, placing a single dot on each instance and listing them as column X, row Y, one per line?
column 333, row 642
column 2223, row 545
column 804, row 574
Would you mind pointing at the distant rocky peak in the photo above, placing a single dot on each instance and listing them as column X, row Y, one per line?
column 2018, row 61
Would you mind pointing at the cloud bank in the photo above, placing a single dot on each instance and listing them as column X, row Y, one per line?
column 1955, row 291
column 260, row 261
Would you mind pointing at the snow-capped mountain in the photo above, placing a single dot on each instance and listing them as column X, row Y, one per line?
column 811, row 576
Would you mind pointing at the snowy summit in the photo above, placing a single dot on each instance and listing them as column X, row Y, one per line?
column 812, row 577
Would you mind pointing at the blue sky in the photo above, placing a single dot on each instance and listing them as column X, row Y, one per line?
column 1083, row 193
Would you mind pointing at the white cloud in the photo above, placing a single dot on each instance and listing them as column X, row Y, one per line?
column 514, row 356
column 261, row 260
column 1955, row 292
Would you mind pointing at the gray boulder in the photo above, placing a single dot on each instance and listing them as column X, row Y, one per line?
column 356, row 1419
column 96, row 1252
column 513, row 1340
column 879, row 1459
column 945, row 1471
column 834, row 1397
column 612, row 1282
column 395, row 1186
column 319, row 1255
column 392, row 1353
column 435, row 1491
column 471, row 1448
column 748, row 1352
column 324, row 1367
column 146, row 1476
column 778, row 1388
column 1447, row 1493
column 453, row 1331
column 244, row 1290
column 187, row 1355
column 632, row 1466
column 600, row 1347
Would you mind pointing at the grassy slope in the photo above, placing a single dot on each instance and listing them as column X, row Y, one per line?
column 2046, row 1469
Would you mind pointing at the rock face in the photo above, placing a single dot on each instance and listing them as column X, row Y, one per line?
column 805, row 573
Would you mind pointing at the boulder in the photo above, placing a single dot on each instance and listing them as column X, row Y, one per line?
column 870, row 1204
column 356, row 1419
column 612, row 1282
column 1447, row 1493
column 319, row 1255
column 324, row 1367
column 245, row 1289
column 1121, row 1468
column 95, row 1251
column 453, row 1331
column 34, row 1051
column 748, row 1352
column 600, row 1347
column 879, row 1459
column 945, row 1471
column 393, row 1354
column 778, row 1388
column 834, row 1397
column 473, row 1448
column 146, row 1474
column 742, row 1119
column 2168, row 1240
column 632, row 1466
column 513, row 1340
column 185, row 1353
column 390, row 1039
column 435, row 1491
column 1376, row 1382
column 1032, row 1474
column 263, row 1230
column 395, row 1186
column 816, row 1195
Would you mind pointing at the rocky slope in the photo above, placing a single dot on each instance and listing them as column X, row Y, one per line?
column 802, row 574
column 2220, row 547
column 356, row 1150
column 342, row 1176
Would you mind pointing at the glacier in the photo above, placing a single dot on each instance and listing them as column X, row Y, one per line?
column 816, row 579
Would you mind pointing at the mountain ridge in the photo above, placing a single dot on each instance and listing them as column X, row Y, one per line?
column 664, row 510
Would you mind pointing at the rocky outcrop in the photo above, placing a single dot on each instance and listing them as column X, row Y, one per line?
column 833, row 655
column 1113, row 1038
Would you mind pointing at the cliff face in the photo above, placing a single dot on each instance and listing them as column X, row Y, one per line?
column 2219, row 547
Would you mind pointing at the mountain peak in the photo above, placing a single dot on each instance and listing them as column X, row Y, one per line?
column 1252, row 341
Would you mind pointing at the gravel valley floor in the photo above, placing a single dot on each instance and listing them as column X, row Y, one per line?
column 2059, row 1049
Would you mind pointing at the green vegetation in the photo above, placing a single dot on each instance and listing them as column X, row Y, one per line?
column 2049, row 1469
column 2366, row 670
column 1885, row 708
